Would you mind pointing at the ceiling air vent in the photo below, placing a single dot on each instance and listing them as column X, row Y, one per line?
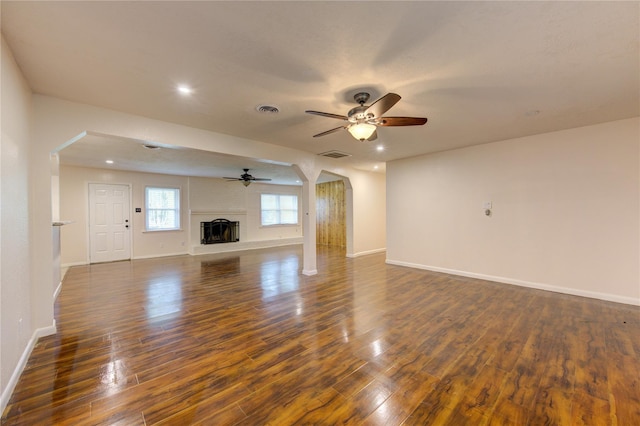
column 335, row 154
column 267, row 109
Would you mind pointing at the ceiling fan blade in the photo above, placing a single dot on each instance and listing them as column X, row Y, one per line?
column 373, row 136
column 230, row 178
column 328, row 114
column 401, row 121
column 262, row 179
column 383, row 105
column 329, row 131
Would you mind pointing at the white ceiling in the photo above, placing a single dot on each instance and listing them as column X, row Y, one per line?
column 480, row 71
column 94, row 150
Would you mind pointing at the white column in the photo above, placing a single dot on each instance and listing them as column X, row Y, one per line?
column 309, row 228
column 308, row 176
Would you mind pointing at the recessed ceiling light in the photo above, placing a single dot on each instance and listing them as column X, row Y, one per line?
column 380, row 148
column 185, row 90
column 109, row 161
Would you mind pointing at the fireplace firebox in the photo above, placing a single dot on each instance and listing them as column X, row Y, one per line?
column 219, row 231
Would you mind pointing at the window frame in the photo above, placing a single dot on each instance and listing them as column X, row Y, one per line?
column 177, row 210
column 279, row 210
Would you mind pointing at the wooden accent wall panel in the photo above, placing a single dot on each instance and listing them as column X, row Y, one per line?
column 331, row 214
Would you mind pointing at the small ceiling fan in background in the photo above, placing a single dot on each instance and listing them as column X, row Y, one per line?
column 246, row 178
column 363, row 120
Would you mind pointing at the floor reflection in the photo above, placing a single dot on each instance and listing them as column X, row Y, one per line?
column 224, row 266
column 164, row 297
column 361, row 342
column 65, row 364
column 113, row 376
column 279, row 277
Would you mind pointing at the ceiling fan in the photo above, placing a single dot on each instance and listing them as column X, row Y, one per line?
column 363, row 120
column 246, row 178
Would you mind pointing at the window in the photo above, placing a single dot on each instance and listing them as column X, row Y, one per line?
column 163, row 208
column 279, row 209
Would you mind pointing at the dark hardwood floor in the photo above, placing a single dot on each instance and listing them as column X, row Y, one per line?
column 245, row 339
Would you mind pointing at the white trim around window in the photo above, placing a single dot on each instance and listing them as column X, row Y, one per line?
column 278, row 209
column 162, row 209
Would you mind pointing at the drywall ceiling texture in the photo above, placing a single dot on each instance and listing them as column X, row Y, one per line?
column 475, row 69
column 565, row 211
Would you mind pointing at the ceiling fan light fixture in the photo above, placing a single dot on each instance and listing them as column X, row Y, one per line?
column 363, row 120
column 362, row 131
column 246, row 178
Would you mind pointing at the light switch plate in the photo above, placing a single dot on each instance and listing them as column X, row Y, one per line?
column 486, row 205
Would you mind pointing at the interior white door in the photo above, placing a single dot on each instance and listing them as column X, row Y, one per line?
column 109, row 225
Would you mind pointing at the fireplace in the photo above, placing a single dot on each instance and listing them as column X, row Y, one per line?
column 219, row 231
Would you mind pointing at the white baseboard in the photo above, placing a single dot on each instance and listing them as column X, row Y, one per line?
column 540, row 286
column 22, row 362
column 309, row 272
column 57, row 291
column 364, row 253
column 214, row 248
column 69, row 265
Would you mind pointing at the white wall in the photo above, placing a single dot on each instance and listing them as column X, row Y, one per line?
column 256, row 231
column 216, row 198
column 369, row 209
column 202, row 199
column 58, row 121
column 565, row 216
column 16, row 284
column 74, row 204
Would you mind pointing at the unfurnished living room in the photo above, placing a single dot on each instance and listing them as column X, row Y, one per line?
column 320, row 213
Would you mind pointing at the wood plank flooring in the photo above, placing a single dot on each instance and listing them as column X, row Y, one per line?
column 245, row 339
